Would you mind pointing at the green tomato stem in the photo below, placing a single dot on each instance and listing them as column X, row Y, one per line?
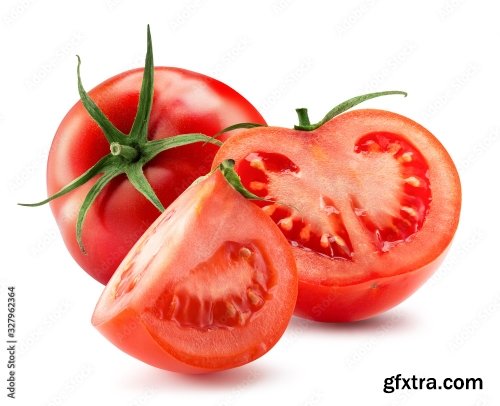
column 303, row 117
column 305, row 125
column 130, row 154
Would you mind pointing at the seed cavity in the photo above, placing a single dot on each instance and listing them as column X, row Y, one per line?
column 224, row 291
column 392, row 227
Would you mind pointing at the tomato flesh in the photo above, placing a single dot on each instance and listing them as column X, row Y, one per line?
column 364, row 199
column 211, row 285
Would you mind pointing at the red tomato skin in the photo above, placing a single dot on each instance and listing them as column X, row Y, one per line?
column 360, row 301
column 128, row 332
column 184, row 102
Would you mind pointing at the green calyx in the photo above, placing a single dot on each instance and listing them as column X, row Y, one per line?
column 128, row 152
column 305, row 124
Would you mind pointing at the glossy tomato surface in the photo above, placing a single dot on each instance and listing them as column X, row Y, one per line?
column 372, row 203
column 211, row 285
column 184, row 102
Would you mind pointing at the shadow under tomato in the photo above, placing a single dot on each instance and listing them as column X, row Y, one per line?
column 245, row 376
column 397, row 320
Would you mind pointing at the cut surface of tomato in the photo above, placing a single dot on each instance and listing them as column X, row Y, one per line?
column 369, row 202
column 211, row 285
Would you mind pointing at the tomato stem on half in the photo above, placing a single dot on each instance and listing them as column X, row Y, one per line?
column 303, row 117
column 305, row 124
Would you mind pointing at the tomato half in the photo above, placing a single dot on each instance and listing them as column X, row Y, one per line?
column 372, row 201
column 183, row 102
column 211, row 285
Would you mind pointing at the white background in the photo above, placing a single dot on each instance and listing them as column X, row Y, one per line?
column 280, row 54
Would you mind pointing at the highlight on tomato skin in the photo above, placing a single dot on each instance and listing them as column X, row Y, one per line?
column 372, row 204
column 211, row 285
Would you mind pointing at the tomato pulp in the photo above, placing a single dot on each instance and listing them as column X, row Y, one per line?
column 371, row 201
column 211, row 284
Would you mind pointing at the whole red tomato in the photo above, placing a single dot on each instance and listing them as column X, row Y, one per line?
column 371, row 203
column 173, row 101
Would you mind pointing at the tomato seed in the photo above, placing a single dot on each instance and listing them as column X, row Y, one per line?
column 406, row 157
column 245, row 252
column 286, row 223
column 257, row 185
column 412, row 181
column 258, row 163
column 411, row 211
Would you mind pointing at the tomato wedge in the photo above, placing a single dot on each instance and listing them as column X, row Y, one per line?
column 372, row 203
column 211, row 285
